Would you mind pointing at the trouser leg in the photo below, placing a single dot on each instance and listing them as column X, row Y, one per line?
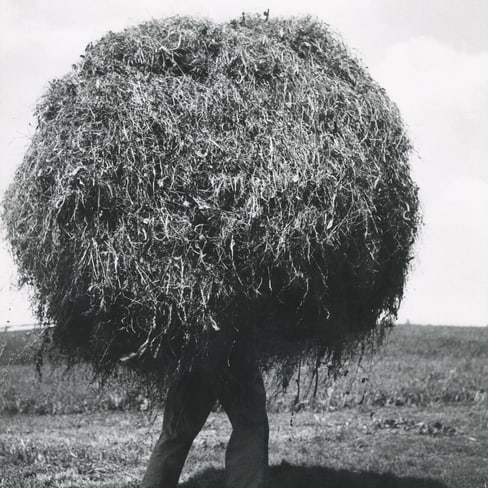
column 188, row 404
column 243, row 397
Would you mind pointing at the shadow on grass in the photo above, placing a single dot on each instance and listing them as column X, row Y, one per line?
column 290, row 476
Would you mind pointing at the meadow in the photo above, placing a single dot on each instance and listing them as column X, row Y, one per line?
column 414, row 415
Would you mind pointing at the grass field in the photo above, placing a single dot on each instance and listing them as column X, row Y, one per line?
column 420, row 419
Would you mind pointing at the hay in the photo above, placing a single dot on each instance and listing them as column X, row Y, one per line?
column 191, row 184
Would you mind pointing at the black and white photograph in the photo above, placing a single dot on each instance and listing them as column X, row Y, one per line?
column 244, row 244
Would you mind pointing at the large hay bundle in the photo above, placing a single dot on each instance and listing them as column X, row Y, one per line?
column 191, row 183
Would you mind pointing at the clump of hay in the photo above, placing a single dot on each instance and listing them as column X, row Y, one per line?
column 191, row 184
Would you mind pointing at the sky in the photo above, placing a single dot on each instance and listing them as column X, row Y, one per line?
column 430, row 55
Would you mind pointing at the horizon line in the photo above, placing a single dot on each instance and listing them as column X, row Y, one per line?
column 32, row 326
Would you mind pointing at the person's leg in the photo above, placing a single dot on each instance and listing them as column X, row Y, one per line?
column 243, row 397
column 188, row 404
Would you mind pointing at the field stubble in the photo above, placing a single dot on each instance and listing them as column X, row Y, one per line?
column 420, row 419
column 404, row 447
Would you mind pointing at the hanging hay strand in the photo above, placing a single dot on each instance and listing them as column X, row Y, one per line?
column 190, row 184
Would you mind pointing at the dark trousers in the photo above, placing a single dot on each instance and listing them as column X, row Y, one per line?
column 239, row 388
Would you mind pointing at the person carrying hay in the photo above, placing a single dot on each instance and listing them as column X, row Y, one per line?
column 202, row 200
column 239, row 388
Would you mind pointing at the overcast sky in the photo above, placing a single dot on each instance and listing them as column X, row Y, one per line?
column 430, row 55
